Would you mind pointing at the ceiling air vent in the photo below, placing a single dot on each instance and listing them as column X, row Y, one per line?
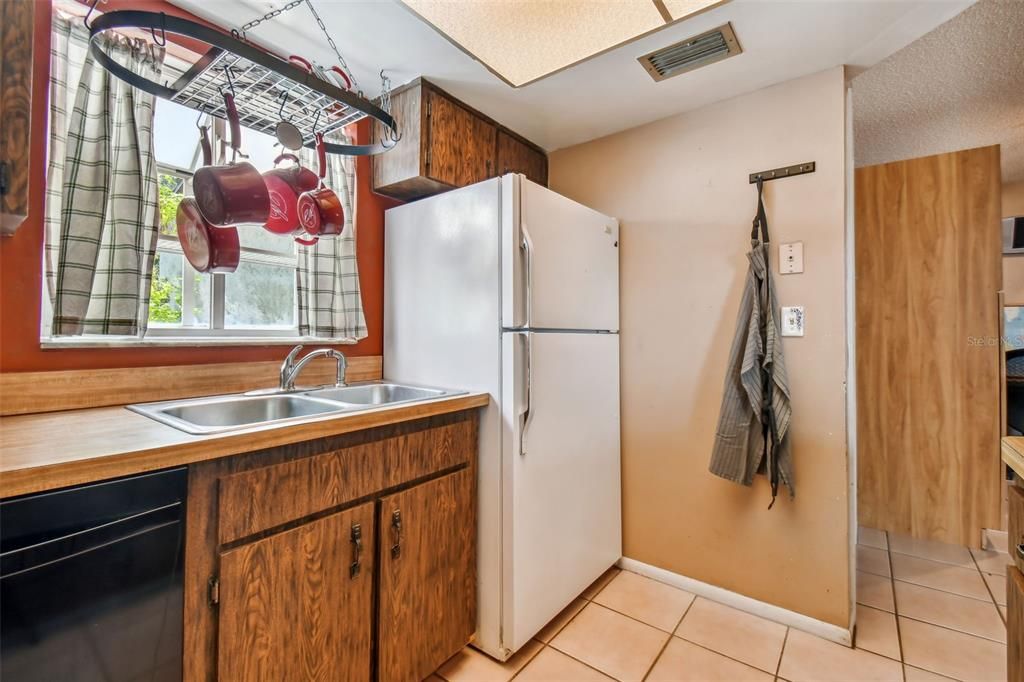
column 707, row 48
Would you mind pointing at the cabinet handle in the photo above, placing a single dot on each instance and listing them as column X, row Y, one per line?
column 357, row 550
column 1020, row 551
column 396, row 531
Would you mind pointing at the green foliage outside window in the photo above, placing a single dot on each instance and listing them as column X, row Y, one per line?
column 170, row 196
column 164, row 297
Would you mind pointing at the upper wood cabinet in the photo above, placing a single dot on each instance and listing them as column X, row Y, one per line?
column 460, row 146
column 445, row 144
column 15, row 110
column 515, row 156
column 427, row 576
column 298, row 605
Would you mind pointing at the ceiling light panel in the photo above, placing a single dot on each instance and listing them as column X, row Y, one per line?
column 680, row 9
column 526, row 40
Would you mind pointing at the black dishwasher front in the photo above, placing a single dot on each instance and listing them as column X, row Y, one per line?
column 91, row 581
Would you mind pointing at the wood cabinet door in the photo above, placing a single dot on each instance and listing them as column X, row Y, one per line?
column 292, row 606
column 1016, row 526
column 427, row 606
column 515, row 156
column 1015, row 624
column 460, row 145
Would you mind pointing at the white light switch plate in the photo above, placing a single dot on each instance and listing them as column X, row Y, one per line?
column 793, row 320
column 791, row 258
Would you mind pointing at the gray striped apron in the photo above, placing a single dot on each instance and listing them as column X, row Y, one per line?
column 752, row 435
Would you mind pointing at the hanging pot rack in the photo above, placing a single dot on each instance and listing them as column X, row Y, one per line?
column 259, row 80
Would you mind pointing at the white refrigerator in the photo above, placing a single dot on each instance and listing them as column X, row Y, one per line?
column 509, row 288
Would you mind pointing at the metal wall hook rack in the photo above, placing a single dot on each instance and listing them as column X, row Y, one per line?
column 258, row 80
column 784, row 172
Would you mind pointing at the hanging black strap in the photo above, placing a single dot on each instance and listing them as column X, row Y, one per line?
column 769, row 430
column 761, row 218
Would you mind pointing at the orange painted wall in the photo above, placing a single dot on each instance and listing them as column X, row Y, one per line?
column 21, row 261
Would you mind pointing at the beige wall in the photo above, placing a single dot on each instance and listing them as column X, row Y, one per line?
column 679, row 187
column 1013, row 266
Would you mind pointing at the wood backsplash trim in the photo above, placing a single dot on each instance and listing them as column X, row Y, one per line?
column 32, row 392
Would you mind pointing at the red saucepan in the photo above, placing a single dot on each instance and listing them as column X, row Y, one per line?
column 320, row 211
column 207, row 248
column 235, row 193
column 284, row 185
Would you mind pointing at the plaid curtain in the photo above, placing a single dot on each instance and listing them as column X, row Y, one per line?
column 330, row 303
column 102, row 213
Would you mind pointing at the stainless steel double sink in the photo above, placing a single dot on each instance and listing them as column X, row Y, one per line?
column 217, row 414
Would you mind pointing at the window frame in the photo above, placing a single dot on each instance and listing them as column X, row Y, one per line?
column 217, row 328
column 159, row 335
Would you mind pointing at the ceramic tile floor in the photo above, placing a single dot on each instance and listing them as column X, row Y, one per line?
column 927, row 612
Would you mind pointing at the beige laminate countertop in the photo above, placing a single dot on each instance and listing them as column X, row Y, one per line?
column 1013, row 453
column 57, row 449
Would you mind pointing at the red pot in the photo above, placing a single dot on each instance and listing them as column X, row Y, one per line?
column 207, row 248
column 284, row 185
column 235, row 193
column 320, row 211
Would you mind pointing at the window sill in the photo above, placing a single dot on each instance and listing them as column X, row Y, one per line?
column 55, row 343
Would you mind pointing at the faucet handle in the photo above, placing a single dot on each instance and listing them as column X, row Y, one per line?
column 290, row 358
column 286, row 380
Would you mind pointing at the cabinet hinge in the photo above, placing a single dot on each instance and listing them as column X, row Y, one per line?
column 213, row 591
column 4, row 182
column 428, row 158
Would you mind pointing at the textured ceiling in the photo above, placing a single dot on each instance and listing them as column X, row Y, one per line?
column 957, row 87
column 781, row 39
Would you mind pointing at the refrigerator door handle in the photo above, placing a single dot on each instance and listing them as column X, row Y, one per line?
column 526, row 246
column 527, row 409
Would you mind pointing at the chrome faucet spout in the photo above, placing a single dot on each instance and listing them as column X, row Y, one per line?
column 290, row 368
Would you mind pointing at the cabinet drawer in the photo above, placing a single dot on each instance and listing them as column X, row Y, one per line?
column 420, row 453
column 258, row 499
column 1016, row 534
column 1015, row 624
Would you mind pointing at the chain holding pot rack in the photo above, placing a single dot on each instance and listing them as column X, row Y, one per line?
column 265, row 87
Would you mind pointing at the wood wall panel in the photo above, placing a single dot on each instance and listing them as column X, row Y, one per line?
column 15, row 109
column 32, row 392
column 928, row 277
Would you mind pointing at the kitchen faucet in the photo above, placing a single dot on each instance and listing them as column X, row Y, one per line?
column 290, row 369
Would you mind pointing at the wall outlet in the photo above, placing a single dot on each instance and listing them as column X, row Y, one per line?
column 791, row 258
column 793, row 320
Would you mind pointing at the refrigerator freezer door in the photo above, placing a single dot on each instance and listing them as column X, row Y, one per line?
column 561, row 472
column 560, row 261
